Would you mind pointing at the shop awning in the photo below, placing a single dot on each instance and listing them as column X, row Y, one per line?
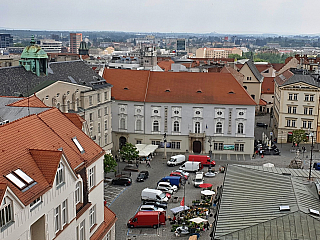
column 179, row 209
column 146, row 149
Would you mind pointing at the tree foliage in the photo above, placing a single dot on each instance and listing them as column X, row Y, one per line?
column 262, row 57
column 129, row 152
column 109, row 163
column 299, row 136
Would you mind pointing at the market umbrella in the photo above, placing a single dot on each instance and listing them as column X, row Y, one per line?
column 198, row 220
column 207, row 192
column 179, row 209
column 205, row 185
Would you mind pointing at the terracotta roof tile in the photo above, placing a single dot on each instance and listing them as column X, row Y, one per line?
column 176, row 87
column 75, row 119
column 109, row 220
column 267, row 86
column 262, row 67
column 165, row 65
column 47, row 161
column 278, row 66
column 262, row 102
column 3, row 188
column 32, row 101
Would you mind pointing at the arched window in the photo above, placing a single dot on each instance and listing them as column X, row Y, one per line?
column 122, row 123
column 197, row 127
column 58, row 106
column 240, row 128
column 219, row 127
column 138, row 125
column 155, row 126
column 176, row 126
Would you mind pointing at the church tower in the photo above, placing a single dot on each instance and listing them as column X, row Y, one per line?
column 83, row 49
column 34, row 59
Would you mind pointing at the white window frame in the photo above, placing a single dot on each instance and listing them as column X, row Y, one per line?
column 60, row 178
column 197, row 127
column 176, row 126
column 295, row 96
column 81, row 233
column 35, row 202
column 240, row 128
column 155, row 126
column 6, row 213
column 77, row 193
column 64, row 212
column 92, row 216
column 219, row 128
column 310, row 124
column 138, row 125
column 106, row 111
column 92, row 177
column 57, row 219
column 122, row 123
column 105, row 124
column 304, row 124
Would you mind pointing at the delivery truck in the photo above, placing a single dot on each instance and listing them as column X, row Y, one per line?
column 191, row 166
column 205, row 160
column 148, row 219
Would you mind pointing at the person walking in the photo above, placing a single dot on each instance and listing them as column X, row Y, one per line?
column 148, row 163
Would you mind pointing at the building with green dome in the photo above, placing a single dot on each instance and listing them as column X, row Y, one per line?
column 34, row 59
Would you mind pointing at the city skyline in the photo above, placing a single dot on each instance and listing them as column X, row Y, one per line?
column 281, row 17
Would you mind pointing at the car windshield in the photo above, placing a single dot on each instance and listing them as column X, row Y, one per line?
column 198, row 180
column 162, row 195
column 172, row 160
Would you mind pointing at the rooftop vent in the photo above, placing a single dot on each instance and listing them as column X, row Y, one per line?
column 199, row 91
column 167, row 90
column 231, row 92
column 125, row 88
column 315, row 212
column 286, row 173
column 284, row 208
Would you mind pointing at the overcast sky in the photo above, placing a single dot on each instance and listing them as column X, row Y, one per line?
column 197, row 16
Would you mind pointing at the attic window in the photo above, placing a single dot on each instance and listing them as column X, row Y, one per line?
column 284, row 208
column 76, row 142
column 199, row 91
column 231, row 92
column 24, row 176
column 167, row 90
column 125, row 88
column 316, row 212
column 16, row 181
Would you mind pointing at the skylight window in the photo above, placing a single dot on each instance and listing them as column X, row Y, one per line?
column 15, row 181
column 316, row 212
column 24, row 176
column 76, row 142
column 284, row 208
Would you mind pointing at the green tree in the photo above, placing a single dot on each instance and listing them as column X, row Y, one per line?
column 299, row 136
column 129, row 152
column 109, row 163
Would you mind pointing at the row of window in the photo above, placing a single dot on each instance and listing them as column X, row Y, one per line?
column 218, row 146
column 306, row 110
column 98, row 98
column 176, row 126
column 294, row 97
column 292, row 123
column 99, row 114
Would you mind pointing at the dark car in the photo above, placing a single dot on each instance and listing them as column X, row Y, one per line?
column 131, row 167
column 156, row 203
column 126, row 181
column 142, row 176
column 261, row 124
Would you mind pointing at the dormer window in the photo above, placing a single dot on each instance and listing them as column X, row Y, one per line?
column 6, row 213
column 60, row 175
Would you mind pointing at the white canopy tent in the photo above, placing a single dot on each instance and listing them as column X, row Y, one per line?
column 146, row 149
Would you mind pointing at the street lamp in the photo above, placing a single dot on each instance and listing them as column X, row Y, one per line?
column 311, row 135
column 209, row 173
column 165, row 145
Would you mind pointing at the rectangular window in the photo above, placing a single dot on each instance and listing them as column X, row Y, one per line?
column 290, row 96
column 294, row 110
column 304, row 124
column 249, row 78
column 288, row 123
column 92, row 177
column 98, row 97
column 106, row 111
column 64, row 210
column 90, row 100
column 60, row 174
column 306, row 98
column 220, row 146
column 81, row 231
column 153, row 142
column 293, row 122
column 99, row 128
column 99, row 113
column 311, row 98
column 289, row 109
column 105, row 96
column 91, row 117
column 77, row 193
column 57, row 221
column 310, row 124
column 239, row 147
column 35, row 202
column 310, row 111
column 105, row 124
column 305, row 110
column 175, row 145
column 6, row 214
column 295, row 96
column 138, row 141
column 105, row 139
column 92, row 216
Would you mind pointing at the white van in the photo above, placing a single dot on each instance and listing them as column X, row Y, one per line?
column 199, row 179
column 164, row 185
column 191, row 166
column 176, row 160
column 153, row 195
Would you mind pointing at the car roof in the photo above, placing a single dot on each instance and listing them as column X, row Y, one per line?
column 146, row 206
column 144, row 172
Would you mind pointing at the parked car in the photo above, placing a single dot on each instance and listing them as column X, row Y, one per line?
column 126, row 181
column 261, row 124
column 198, row 179
column 154, row 195
column 142, row 176
column 131, row 167
column 173, row 180
column 156, row 203
column 183, row 172
column 150, row 208
column 178, row 174
column 163, row 186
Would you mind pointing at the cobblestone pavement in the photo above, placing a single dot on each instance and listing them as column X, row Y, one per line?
column 126, row 201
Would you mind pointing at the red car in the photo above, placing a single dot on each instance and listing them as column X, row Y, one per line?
column 178, row 174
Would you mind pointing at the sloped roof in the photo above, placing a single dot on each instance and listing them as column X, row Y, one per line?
column 267, row 86
column 16, row 81
column 3, row 188
column 165, row 65
column 283, row 77
column 296, row 78
column 251, row 197
column 254, row 70
column 176, row 87
column 49, row 130
column 262, row 102
column 75, row 119
column 277, row 66
column 109, row 220
column 32, row 101
column 237, row 75
column 262, row 67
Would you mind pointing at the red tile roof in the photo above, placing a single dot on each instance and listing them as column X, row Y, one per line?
column 44, row 134
column 262, row 102
column 239, row 66
column 176, row 87
column 277, row 66
column 109, row 220
column 283, row 77
column 165, row 65
column 75, row 119
column 262, row 67
column 267, row 86
column 32, row 101
column 3, row 188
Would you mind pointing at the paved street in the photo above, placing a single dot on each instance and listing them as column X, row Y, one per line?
column 125, row 201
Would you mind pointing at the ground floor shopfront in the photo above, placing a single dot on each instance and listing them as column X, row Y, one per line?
column 223, row 148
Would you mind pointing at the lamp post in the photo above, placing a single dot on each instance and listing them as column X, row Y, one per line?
column 311, row 134
column 210, row 152
column 165, row 145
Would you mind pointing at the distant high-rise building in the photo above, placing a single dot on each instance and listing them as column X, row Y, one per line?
column 50, row 45
column 181, row 44
column 75, row 40
column 6, row 40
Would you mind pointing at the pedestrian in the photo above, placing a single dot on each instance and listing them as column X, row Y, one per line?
column 148, row 163
column 207, row 214
column 137, row 164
